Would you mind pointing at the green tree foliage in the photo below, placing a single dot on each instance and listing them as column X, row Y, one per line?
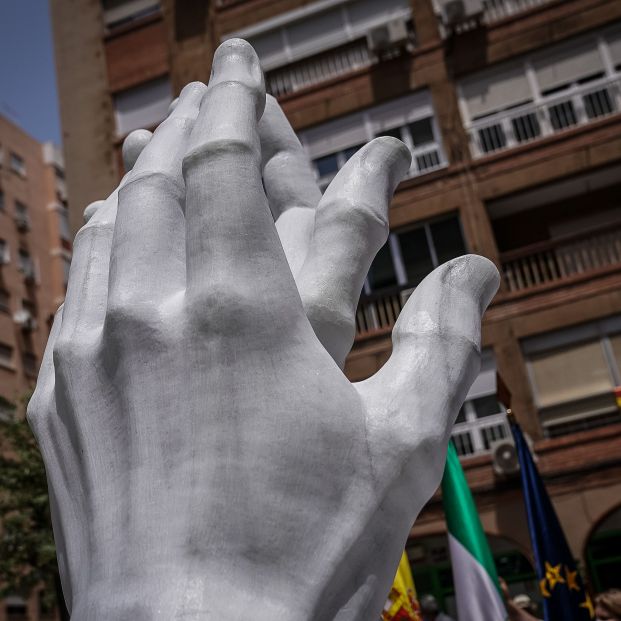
column 27, row 552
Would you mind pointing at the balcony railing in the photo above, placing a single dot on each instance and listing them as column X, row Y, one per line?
column 576, row 256
column 477, row 437
column 573, row 107
column 378, row 312
column 319, row 68
column 495, row 10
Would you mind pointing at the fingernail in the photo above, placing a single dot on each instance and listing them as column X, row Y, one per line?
column 389, row 153
column 476, row 275
column 236, row 60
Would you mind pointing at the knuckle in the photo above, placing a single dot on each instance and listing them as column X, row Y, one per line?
column 145, row 181
column 222, row 308
column 216, row 149
column 129, row 315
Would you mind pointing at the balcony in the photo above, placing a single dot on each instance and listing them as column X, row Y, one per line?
column 534, row 268
column 554, row 114
column 477, row 437
column 317, row 69
column 378, row 312
column 495, row 10
column 567, row 259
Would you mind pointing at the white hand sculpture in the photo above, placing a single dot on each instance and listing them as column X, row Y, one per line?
column 206, row 456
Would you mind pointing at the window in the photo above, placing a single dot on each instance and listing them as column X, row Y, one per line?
column 546, row 92
column 7, row 409
column 573, row 374
column 4, row 301
column 5, row 256
column 142, row 106
column 1, row 200
column 409, row 119
column 17, row 165
column 120, row 12
column 410, row 255
column 481, row 420
column 6, row 355
column 29, row 362
column 317, row 27
column 26, row 265
column 63, row 223
column 21, row 216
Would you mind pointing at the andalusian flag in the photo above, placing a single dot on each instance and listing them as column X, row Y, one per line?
column 402, row 604
column 476, row 583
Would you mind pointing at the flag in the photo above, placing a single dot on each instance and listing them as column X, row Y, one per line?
column 477, row 589
column 564, row 595
column 402, row 604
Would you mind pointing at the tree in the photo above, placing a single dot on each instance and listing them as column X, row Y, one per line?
column 27, row 552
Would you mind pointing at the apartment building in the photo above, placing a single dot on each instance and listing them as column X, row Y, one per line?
column 511, row 109
column 35, row 253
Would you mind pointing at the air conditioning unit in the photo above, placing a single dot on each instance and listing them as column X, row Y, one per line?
column 504, row 458
column 388, row 36
column 22, row 222
column 25, row 320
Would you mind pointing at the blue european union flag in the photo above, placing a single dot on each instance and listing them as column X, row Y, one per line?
column 564, row 595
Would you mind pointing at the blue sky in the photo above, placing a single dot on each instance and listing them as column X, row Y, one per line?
column 27, row 72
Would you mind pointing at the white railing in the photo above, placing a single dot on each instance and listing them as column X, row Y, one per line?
column 582, row 255
column 477, row 437
column 317, row 69
column 495, row 10
column 425, row 159
column 573, row 107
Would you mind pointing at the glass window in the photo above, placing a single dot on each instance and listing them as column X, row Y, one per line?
column 351, row 150
column 1, row 200
column 486, row 406
column 327, row 165
column 570, row 373
column 447, row 238
column 422, row 132
column 25, row 262
column 6, row 354
column 4, row 300
column 142, row 106
column 21, row 209
column 120, row 12
column 382, row 272
column 17, row 165
column 29, row 361
column 395, row 133
column 63, row 223
column 416, row 255
column 4, row 252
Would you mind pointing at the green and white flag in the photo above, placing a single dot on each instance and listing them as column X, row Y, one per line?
column 477, row 590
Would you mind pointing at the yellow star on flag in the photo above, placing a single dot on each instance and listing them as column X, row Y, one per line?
column 588, row 604
column 553, row 575
column 571, row 579
column 543, row 587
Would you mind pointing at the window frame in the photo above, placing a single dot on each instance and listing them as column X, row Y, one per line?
column 396, row 252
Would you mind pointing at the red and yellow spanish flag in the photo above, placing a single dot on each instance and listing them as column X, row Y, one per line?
column 402, row 604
